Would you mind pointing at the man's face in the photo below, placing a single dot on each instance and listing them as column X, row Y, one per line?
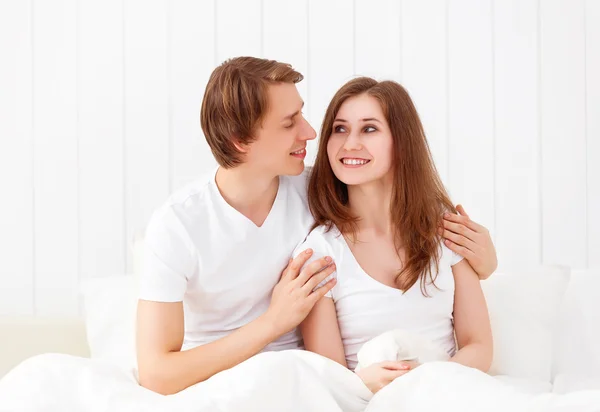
column 280, row 145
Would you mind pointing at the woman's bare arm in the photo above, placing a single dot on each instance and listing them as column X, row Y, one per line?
column 471, row 320
column 321, row 332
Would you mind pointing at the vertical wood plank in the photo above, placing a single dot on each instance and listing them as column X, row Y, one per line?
column 101, row 136
column 239, row 28
column 518, row 214
column 471, row 123
column 563, row 132
column 330, row 60
column 191, row 61
column 592, row 58
column 424, row 71
column 147, row 144
column 377, row 36
column 285, row 38
column 16, row 167
column 55, row 157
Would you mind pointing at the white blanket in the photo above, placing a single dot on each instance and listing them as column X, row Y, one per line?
column 276, row 381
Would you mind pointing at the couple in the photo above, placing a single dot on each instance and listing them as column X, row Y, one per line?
column 264, row 255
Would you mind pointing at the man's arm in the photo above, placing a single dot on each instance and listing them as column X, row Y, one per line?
column 470, row 240
column 165, row 369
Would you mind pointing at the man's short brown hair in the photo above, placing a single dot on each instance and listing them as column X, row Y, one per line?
column 235, row 102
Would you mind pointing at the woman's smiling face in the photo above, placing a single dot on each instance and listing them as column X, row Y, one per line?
column 360, row 146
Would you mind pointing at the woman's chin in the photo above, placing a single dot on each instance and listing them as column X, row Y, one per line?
column 353, row 180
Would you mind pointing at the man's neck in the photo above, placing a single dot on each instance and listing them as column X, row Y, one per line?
column 250, row 192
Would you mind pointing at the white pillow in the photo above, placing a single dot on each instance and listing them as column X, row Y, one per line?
column 110, row 305
column 565, row 383
column 523, row 309
column 576, row 350
column 110, row 309
column 137, row 251
column 526, row 385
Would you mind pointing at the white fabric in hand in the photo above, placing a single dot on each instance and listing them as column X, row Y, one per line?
column 399, row 345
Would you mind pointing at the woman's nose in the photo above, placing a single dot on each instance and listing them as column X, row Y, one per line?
column 352, row 142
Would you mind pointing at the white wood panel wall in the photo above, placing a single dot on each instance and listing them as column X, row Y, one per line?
column 55, row 157
column 100, row 102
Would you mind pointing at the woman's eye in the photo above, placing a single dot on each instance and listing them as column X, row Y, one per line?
column 339, row 129
column 370, row 129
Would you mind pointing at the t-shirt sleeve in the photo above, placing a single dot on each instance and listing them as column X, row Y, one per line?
column 454, row 258
column 321, row 248
column 168, row 259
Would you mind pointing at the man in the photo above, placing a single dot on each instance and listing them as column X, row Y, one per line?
column 212, row 290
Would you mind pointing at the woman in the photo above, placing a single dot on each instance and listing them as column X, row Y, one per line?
column 379, row 204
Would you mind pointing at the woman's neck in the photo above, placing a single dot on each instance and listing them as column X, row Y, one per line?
column 371, row 203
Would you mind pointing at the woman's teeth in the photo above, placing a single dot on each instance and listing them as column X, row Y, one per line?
column 355, row 161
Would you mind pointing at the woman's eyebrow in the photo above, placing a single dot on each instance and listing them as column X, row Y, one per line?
column 370, row 119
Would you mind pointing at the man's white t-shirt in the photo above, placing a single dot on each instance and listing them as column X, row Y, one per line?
column 201, row 251
column 366, row 307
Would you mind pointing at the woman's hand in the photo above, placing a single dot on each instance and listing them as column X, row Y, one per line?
column 470, row 240
column 379, row 375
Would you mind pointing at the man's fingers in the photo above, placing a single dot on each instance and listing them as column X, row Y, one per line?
column 313, row 268
column 322, row 291
column 284, row 273
column 460, row 209
column 460, row 229
column 314, row 281
column 293, row 268
column 440, row 229
column 461, row 250
column 460, row 240
column 465, row 221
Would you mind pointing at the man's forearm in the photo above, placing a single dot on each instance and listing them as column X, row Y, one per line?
column 172, row 372
column 485, row 272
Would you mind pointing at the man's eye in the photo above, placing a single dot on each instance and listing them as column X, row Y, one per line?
column 290, row 126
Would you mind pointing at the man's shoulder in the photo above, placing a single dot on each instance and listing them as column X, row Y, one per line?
column 183, row 205
column 299, row 182
column 193, row 192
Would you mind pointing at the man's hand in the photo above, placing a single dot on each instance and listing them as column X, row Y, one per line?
column 470, row 240
column 295, row 294
column 379, row 375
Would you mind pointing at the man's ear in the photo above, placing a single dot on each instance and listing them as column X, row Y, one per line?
column 239, row 145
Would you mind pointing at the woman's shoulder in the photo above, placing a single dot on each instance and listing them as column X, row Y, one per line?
column 323, row 240
column 448, row 257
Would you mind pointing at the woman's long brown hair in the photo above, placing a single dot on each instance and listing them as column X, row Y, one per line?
column 419, row 198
